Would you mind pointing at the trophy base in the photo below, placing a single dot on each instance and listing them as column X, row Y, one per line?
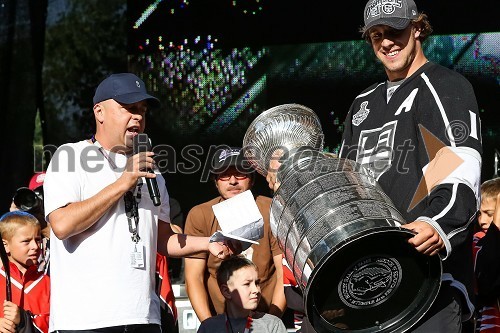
column 375, row 282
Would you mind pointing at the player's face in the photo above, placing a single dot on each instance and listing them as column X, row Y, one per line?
column 120, row 123
column 24, row 247
column 232, row 182
column 397, row 50
column 244, row 286
column 486, row 213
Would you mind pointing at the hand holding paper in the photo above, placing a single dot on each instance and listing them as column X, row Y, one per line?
column 240, row 220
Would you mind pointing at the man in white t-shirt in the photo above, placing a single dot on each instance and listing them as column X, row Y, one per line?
column 105, row 228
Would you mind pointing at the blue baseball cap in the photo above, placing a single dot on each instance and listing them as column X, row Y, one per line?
column 125, row 88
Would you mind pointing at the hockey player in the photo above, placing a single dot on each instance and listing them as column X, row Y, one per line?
column 419, row 133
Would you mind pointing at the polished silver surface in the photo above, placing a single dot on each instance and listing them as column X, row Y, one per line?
column 329, row 197
column 340, row 233
column 341, row 236
column 278, row 131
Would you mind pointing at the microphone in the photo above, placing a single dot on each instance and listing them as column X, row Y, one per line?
column 142, row 144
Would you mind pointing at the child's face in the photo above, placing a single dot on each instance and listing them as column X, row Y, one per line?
column 244, row 286
column 24, row 247
column 486, row 213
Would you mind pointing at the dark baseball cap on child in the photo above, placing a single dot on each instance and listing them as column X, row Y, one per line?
column 125, row 88
column 394, row 13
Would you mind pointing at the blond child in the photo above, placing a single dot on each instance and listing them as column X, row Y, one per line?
column 487, row 258
column 21, row 236
column 238, row 281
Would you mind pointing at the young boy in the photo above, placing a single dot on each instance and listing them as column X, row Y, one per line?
column 21, row 236
column 238, row 281
column 487, row 258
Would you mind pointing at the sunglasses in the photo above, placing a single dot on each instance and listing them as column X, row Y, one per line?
column 237, row 176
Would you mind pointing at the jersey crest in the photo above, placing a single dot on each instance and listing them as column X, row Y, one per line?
column 376, row 148
column 361, row 115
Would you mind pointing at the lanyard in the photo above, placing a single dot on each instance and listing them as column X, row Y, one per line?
column 132, row 212
column 104, row 153
column 229, row 327
column 131, row 206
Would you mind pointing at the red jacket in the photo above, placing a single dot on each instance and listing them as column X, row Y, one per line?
column 31, row 292
column 164, row 288
column 486, row 255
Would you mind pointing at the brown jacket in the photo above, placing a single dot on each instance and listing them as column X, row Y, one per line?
column 201, row 221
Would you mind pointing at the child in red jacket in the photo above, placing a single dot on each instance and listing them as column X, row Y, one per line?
column 21, row 235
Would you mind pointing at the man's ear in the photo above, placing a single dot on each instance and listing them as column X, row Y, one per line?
column 98, row 113
column 417, row 31
column 224, row 289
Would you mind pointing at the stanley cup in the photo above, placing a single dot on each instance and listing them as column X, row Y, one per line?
column 339, row 231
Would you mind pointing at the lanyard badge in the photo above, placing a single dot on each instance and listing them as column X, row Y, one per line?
column 132, row 212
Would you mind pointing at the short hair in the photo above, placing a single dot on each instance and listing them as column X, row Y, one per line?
column 12, row 221
column 490, row 188
column 422, row 21
column 231, row 265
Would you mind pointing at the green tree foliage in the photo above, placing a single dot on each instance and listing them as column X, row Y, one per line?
column 86, row 43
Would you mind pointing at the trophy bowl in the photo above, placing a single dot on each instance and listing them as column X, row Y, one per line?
column 278, row 132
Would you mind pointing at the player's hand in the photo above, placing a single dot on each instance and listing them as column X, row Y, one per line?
column 426, row 240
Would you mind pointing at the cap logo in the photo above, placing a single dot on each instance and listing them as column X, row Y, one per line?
column 137, row 84
column 387, row 7
column 228, row 152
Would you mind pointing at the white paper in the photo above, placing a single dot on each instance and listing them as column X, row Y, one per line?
column 219, row 236
column 240, row 219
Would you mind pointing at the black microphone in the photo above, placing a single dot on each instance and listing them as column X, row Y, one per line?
column 142, row 144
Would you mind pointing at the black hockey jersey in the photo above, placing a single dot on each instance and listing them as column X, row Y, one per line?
column 424, row 148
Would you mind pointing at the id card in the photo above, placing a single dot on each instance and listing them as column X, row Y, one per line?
column 137, row 255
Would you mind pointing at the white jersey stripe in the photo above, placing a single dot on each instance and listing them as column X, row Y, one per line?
column 341, row 148
column 12, row 281
column 19, row 285
column 369, row 92
column 38, row 328
column 450, row 204
column 473, row 125
column 441, row 109
column 33, row 284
